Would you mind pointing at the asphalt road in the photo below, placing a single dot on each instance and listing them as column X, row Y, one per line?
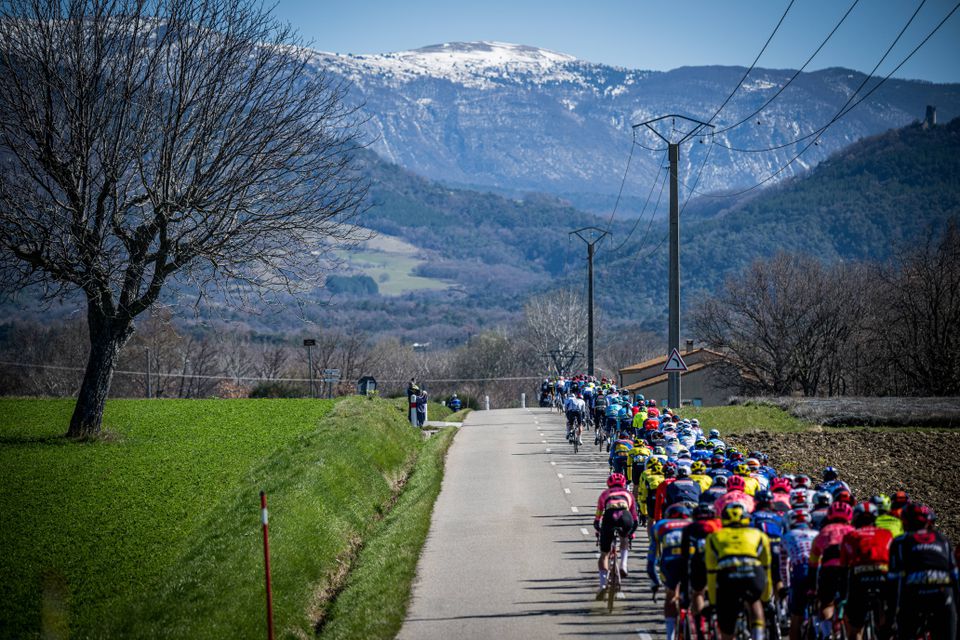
column 511, row 551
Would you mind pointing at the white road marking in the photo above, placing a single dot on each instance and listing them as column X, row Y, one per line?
column 544, row 441
column 574, row 509
column 584, row 531
column 643, row 634
column 565, row 490
column 553, row 463
column 548, row 449
column 560, row 475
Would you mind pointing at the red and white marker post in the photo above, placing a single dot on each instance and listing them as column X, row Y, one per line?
column 266, row 563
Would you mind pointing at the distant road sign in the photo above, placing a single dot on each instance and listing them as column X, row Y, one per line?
column 675, row 363
column 309, row 342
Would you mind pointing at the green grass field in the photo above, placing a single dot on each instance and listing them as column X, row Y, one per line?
column 153, row 531
column 393, row 272
column 744, row 418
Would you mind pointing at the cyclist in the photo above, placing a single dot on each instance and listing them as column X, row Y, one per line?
column 885, row 520
column 780, row 487
column 751, row 484
column 698, row 473
column 899, row 500
column 714, row 439
column 610, row 412
column 795, row 566
column 646, row 490
column 821, row 505
column 574, row 407
column 618, row 453
column 669, row 477
column 735, row 493
column 738, row 571
column 802, row 481
column 454, row 403
column 832, row 482
column 693, row 581
column 717, row 467
column 682, row 489
column 636, row 458
column 753, row 466
column 865, row 554
column 768, row 520
column 616, row 515
column 666, row 541
column 923, row 571
column 825, row 561
column 719, row 487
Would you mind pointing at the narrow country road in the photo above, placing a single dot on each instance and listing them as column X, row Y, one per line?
column 511, row 550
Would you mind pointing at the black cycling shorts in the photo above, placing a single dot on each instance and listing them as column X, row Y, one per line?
column 733, row 591
column 615, row 522
column 672, row 572
column 697, row 573
column 865, row 590
column 829, row 582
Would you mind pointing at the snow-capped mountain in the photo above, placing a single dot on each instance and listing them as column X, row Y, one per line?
column 515, row 117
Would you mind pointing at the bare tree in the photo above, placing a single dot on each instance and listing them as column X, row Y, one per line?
column 142, row 142
column 556, row 322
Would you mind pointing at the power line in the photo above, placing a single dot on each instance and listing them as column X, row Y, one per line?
column 696, row 181
column 866, row 79
column 626, row 170
column 795, row 75
column 753, row 64
column 647, row 202
column 845, row 109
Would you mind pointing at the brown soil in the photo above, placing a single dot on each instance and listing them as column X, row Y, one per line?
column 923, row 463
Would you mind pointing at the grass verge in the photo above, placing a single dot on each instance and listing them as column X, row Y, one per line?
column 374, row 603
column 745, row 418
column 154, row 532
column 458, row 416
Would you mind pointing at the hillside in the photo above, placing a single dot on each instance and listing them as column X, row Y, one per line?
column 864, row 202
column 505, row 116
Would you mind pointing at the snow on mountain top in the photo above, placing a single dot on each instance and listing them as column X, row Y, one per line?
column 468, row 63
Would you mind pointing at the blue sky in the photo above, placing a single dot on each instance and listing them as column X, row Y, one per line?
column 647, row 35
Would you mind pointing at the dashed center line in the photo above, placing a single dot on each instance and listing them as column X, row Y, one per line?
column 553, row 463
column 566, row 490
column 559, row 475
column 548, row 449
column 544, row 441
column 574, row 509
column 584, row 531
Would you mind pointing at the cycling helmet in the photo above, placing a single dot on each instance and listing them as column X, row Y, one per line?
column 882, row 502
column 735, row 455
column 652, row 403
column 802, row 481
column 865, row 513
column 717, row 460
column 659, row 451
column 640, row 397
column 654, row 465
column 753, row 464
column 616, row 480
column 755, row 454
column 780, row 485
column 678, row 511
column 798, row 518
column 736, row 483
column 917, row 516
column 670, row 470
column 720, row 481
column 703, row 512
column 735, row 515
column 843, row 496
column 764, row 496
column 701, row 444
column 798, row 498
column 741, row 470
column 900, row 499
column 683, row 471
column 840, row 512
column 695, row 422
column 830, row 474
column 714, row 433
column 698, row 467
column 822, row 499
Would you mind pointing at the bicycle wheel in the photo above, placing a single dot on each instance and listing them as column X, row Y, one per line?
column 613, row 573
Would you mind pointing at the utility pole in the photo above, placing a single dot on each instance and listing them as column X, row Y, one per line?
column 148, row 372
column 309, row 343
column 590, row 244
column 673, row 324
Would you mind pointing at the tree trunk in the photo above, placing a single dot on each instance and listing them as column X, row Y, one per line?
column 107, row 337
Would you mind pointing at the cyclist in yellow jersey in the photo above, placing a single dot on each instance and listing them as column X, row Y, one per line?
column 635, row 460
column 646, row 489
column 751, row 484
column 738, row 571
column 698, row 473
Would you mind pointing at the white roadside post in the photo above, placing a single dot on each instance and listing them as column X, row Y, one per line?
column 523, row 401
column 486, row 402
column 413, row 409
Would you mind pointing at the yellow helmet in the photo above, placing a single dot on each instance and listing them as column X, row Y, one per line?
column 735, row 515
column 698, row 467
column 655, row 465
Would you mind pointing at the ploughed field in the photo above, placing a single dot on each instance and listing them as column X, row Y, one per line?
column 922, row 462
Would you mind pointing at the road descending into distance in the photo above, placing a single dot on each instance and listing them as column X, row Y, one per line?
column 511, row 551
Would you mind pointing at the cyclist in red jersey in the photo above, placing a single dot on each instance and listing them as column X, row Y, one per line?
column 825, row 561
column 865, row 554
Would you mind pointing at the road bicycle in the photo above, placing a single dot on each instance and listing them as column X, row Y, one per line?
column 614, row 583
column 577, row 432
